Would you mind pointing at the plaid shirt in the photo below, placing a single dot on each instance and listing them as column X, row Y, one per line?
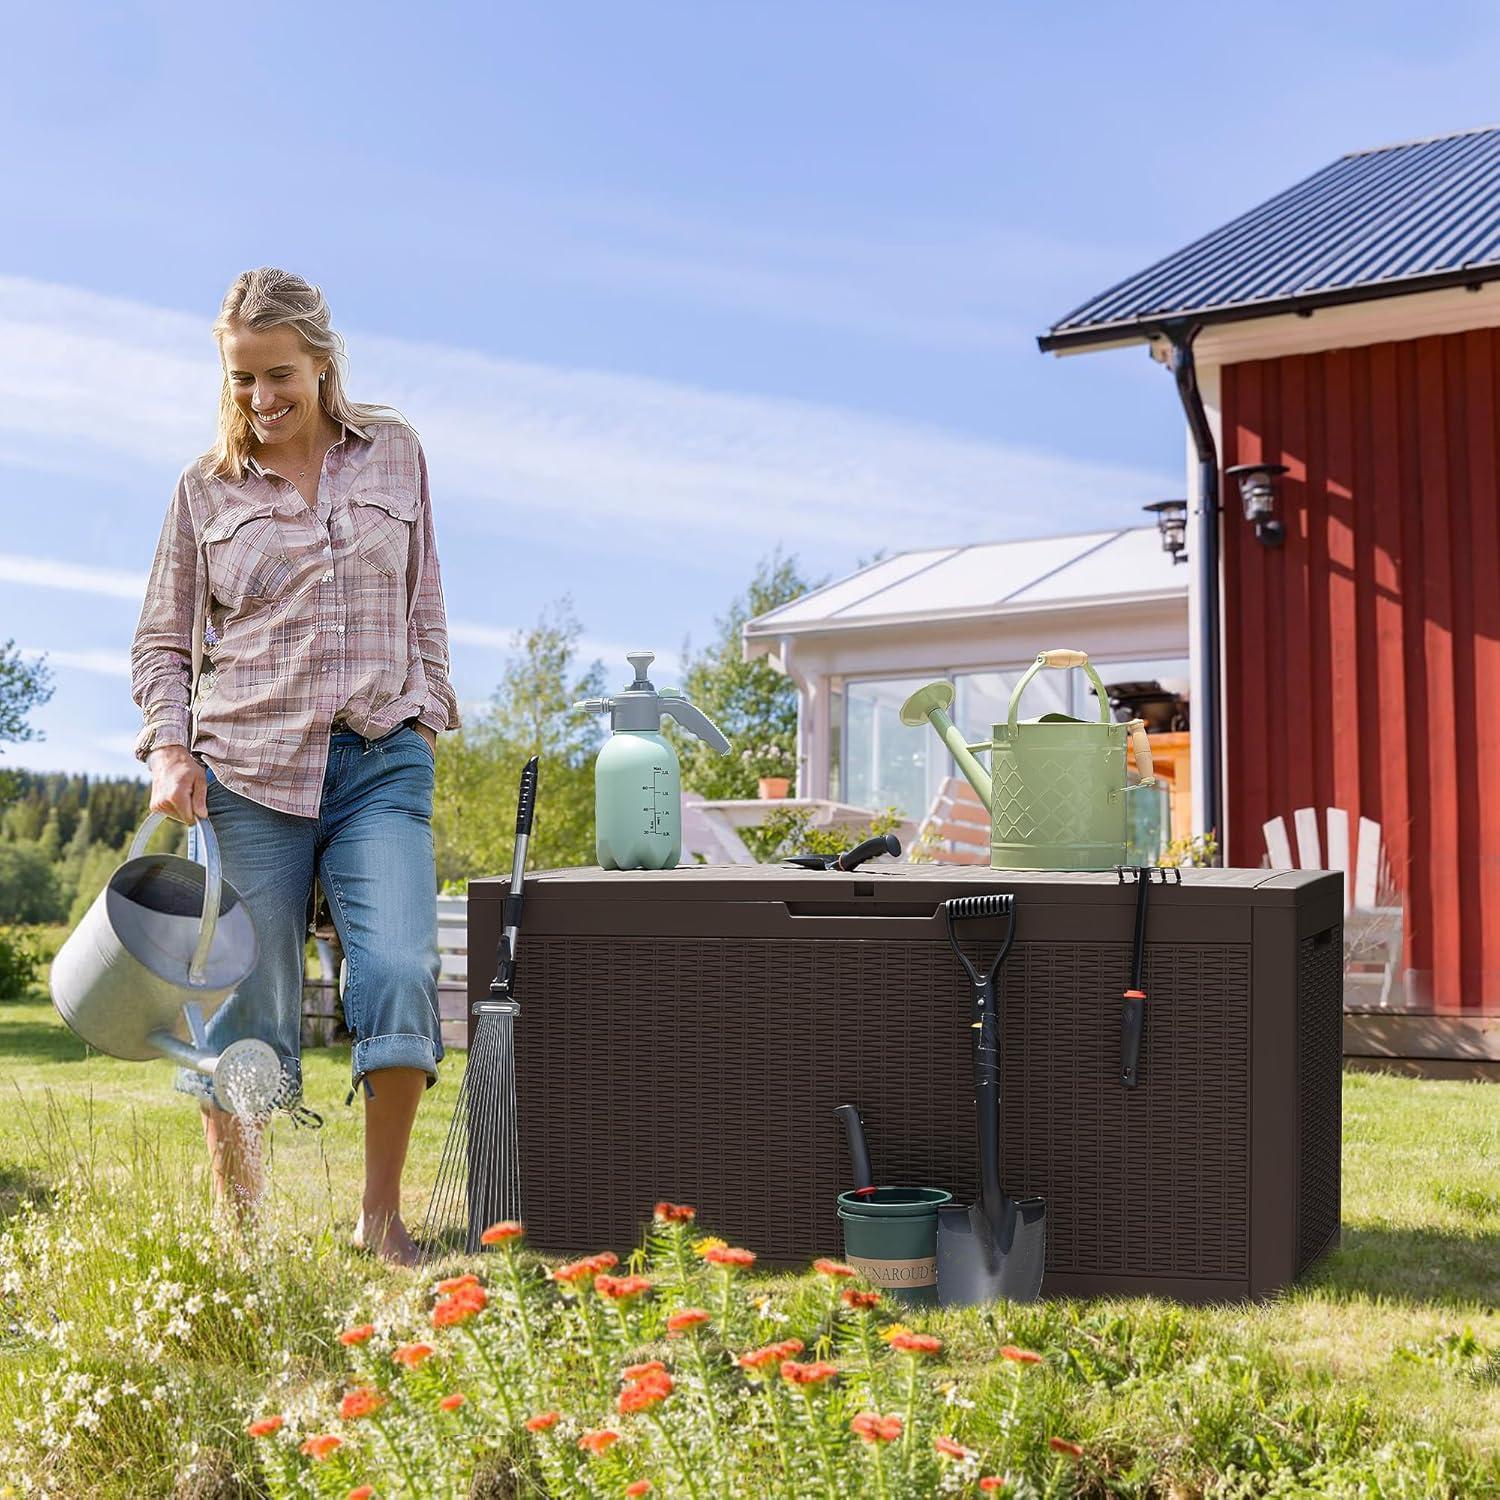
column 310, row 614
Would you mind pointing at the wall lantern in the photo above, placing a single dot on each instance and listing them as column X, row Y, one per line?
column 1171, row 521
column 1257, row 484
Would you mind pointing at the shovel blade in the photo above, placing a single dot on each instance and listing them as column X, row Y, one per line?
column 978, row 1262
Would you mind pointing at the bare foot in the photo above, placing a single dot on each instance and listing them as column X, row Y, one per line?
column 387, row 1238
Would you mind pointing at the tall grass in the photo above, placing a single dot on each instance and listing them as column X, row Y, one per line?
column 138, row 1339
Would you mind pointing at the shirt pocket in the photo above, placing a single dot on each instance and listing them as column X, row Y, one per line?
column 246, row 555
column 382, row 530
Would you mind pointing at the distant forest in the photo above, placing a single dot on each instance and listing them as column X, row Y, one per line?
column 61, row 837
column 116, row 806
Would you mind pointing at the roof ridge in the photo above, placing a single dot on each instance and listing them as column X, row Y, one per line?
column 1423, row 140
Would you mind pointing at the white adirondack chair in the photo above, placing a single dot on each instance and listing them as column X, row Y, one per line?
column 956, row 830
column 1372, row 904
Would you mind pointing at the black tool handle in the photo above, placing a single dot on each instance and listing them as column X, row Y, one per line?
column 526, row 805
column 1132, row 1024
column 1133, row 1015
column 502, row 986
column 986, row 1024
column 885, row 843
column 1138, row 952
column 859, row 1152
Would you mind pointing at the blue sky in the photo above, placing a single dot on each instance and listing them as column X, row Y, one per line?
column 662, row 285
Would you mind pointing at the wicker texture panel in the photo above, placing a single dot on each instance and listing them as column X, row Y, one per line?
column 707, row 1072
column 1320, row 1102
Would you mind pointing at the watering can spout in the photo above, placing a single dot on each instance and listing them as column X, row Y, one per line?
column 931, row 703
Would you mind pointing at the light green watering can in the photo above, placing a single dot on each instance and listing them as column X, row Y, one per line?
column 1057, row 793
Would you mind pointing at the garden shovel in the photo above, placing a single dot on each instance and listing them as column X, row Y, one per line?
column 996, row 1247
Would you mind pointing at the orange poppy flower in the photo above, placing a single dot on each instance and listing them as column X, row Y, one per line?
column 871, row 1427
column 860, row 1300
column 646, row 1391
column 360, row 1402
column 502, row 1233
column 945, row 1447
column 621, row 1288
column 361, row 1492
column 322, row 1444
column 265, row 1426
column 993, row 1484
column 813, row 1373
column 453, row 1402
column 673, row 1213
column 834, row 1268
column 598, row 1440
column 640, row 1487
column 651, row 1367
column 457, row 1283
column 411, row 1355
column 1020, row 1356
column 917, row 1343
column 687, row 1317
column 728, row 1255
column 460, row 1307
column 582, row 1270
column 357, row 1335
column 542, row 1421
column 1067, row 1449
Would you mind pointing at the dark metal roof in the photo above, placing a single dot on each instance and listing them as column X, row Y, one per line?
column 1371, row 224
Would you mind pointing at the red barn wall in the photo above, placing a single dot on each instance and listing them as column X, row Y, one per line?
column 1362, row 659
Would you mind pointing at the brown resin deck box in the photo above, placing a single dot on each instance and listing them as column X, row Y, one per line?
column 686, row 1034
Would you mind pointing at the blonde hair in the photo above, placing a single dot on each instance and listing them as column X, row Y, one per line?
column 269, row 298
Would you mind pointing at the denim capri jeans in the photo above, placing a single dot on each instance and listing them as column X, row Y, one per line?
column 370, row 847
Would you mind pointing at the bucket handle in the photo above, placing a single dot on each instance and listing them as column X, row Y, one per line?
column 212, row 882
column 1064, row 660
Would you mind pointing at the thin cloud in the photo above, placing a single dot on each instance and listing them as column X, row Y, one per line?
column 640, row 467
column 103, row 662
column 52, row 573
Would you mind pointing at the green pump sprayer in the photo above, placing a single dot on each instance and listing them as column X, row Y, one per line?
column 637, row 781
column 1057, row 790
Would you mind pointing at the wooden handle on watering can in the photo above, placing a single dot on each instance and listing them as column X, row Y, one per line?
column 1064, row 658
column 1140, row 748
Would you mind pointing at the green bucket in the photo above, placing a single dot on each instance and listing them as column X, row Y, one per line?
column 890, row 1237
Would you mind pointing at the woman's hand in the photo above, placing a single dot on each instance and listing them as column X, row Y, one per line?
column 178, row 786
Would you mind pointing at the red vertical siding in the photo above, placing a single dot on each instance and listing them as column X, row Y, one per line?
column 1362, row 659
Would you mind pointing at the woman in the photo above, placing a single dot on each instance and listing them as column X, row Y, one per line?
column 291, row 663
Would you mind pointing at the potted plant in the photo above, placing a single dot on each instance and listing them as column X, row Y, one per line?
column 772, row 766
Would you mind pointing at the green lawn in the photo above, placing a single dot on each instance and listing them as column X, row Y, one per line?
column 1378, row 1375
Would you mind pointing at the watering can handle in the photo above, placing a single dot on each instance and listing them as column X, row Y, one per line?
column 1140, row 748
column 212, row 882
column 1064, row 660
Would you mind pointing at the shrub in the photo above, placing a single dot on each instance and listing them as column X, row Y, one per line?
column 21, row 964
column 29, row 890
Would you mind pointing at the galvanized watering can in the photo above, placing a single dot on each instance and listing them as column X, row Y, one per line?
column 1057, row 789
column 165, row 943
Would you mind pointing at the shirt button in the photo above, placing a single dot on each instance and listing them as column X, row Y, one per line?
column 328, row 576
column 338, row 629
